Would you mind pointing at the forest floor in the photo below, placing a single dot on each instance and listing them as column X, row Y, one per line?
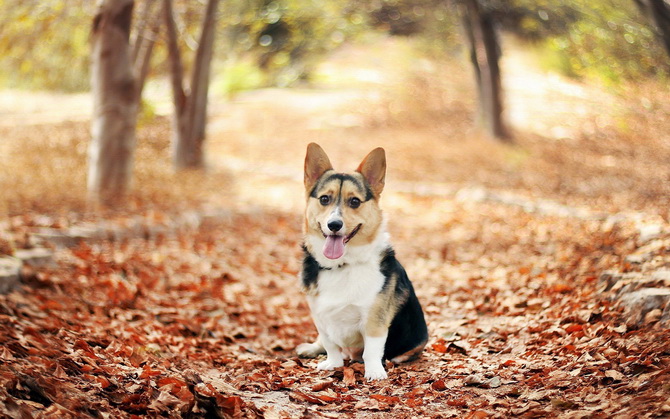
column 526, row 258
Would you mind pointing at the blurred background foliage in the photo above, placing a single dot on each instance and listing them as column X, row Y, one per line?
column 44, row 44
column 606, row 39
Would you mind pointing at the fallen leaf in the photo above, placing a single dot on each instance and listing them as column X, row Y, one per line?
column 304, row 397
column 615, row 375
column 104, row 383
column 322, row 385
column 438, row 385
column 440, row 347
column 494, row 382
column 574, row 328
column 458, row 402
column 475, row 380
column 349, row 377
column 328, row 396
column 368, row 404
column 148, row 372
column 385, row 399
column 562, row 404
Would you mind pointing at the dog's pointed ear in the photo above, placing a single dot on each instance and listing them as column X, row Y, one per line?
column 316, row 164
column 373, row 169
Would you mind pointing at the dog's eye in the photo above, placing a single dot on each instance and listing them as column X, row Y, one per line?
column 354, row 202
column 324, row 200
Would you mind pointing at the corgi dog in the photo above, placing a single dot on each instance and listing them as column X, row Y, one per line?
column 361, row 300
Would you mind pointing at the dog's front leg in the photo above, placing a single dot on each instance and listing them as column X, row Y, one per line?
column 333, row 354
column 372, row 357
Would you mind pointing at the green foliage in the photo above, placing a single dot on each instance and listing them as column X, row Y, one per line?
column 44, row 44
column 147, row 113
column 237, row 76
column 606, row 39
column 286, row 38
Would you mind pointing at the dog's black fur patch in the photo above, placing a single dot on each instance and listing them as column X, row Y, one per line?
column 310, row 269
column 408, row 328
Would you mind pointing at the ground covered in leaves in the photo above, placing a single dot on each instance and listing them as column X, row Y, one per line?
column 203, row 321
column 512, row 252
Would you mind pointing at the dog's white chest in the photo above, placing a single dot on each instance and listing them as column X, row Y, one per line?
column 343, row 300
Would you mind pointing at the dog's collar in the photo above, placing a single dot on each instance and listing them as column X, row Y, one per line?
column 330, row 268
column 311, row 267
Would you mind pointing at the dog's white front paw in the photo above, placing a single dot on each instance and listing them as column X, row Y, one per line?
column 330, row 364
column 309, row 350
column 375, row 372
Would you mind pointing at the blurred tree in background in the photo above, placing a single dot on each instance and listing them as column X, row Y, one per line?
column 190, row 101
column 481, row 33
column 606, row 39
column 285, row 39
column 44, row 44
column 115, row 102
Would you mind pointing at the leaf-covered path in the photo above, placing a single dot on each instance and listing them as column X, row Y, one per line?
column 519, row 256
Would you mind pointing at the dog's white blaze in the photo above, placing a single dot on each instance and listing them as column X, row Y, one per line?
column 335, row 215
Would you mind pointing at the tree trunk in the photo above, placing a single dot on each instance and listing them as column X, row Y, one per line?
column 482, row 38
column 658, row 11
column 190, row 107
column 115, row 103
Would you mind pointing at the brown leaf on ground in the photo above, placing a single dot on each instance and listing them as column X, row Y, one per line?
column 349, row 377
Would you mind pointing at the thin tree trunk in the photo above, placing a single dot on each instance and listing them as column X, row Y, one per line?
column 190, row 107
column 142, row 65
column 493, row 86
column 484, row 49
column 142, row 25
column 176, row 67
column 200, row 84
column 469, row 31
column 144, row 44
column 115, row 103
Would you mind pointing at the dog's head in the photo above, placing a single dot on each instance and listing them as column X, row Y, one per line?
column 343, row 208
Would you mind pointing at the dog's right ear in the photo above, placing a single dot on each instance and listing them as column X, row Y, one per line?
column 316, row 164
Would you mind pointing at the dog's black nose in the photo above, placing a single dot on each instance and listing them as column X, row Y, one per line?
column 335, row 225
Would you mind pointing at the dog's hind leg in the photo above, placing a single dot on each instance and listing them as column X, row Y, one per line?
column 310, row 350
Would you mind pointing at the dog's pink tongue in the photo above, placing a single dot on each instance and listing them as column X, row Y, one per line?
column 334, row 247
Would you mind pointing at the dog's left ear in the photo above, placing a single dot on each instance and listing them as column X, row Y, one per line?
column 373, row 169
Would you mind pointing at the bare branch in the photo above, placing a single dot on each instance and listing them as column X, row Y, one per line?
column 140, row 34
column 142, row 59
